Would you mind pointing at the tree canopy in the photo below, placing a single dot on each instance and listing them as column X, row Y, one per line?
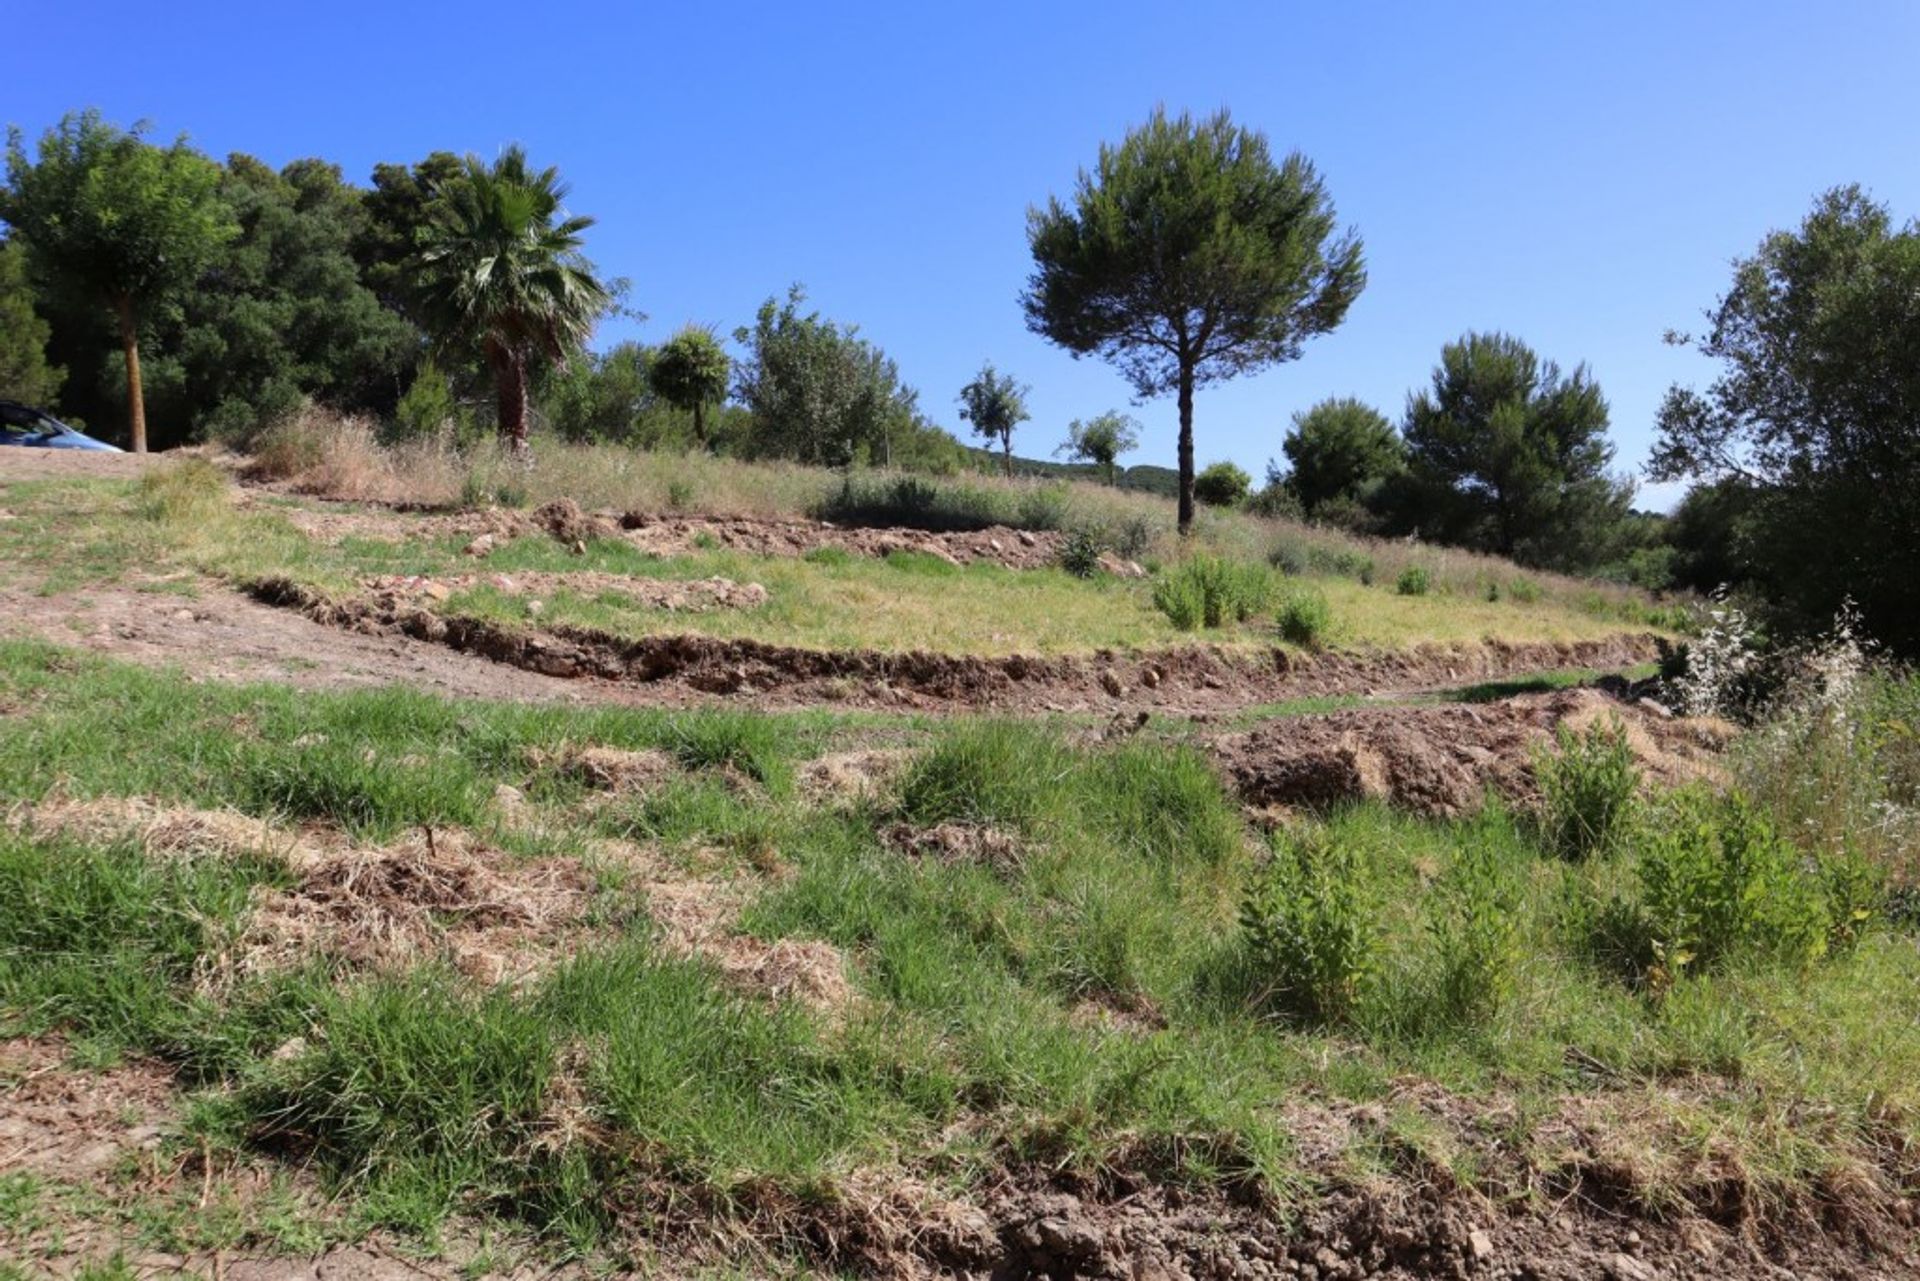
column 1341, row 450
column 108, row 216
column 499, row 269
column 1816, row 413
column 1222, row 484
column 691, row 371
column 1101, row 440
column 995, row 403
column 1522, row 450
column 1187, row 255
column 25, row 373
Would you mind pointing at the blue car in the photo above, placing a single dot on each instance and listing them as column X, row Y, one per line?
column 24, row 425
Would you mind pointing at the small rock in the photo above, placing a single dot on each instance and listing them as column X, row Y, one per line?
column 1111, row 683
column 1624, row 1267
column 993, row 545
column 509, row 800
column 1026, row 539
column 435, row 591
column 1653, row 708
column 579, row 547
column 1150, row 678
column 1480, row 1245
column 289, row 1050
column 481, row 546
column 535, row 608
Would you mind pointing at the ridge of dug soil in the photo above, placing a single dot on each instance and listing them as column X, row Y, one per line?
column 1189, row 681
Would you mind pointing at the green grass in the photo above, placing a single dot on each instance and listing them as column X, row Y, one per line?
column 1084, row 999
column 68, row 535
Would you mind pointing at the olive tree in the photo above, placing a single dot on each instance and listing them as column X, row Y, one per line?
column 1189, row 255
column 1101, row 441
column 690, row 372
column 995, row 404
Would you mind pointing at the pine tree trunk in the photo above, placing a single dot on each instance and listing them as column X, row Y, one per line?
column 136, row 396
column 1186, row 448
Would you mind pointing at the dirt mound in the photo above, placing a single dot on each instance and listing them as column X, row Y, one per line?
column 563, row 519
column 1188, row 681
column 678, row 595
column 1441, row 760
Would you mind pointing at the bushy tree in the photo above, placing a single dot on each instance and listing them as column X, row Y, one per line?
column 281, row 316
column 1341, row 450
column 1816, row 414
column 691, row 371
column 603, row 397
column 1514, row 455
column 499, row 269
column 111, row 218
column 995, row 404
column 1101, row 440
column 25, row 374
column 819, row 393
column 1222, row 485
column 1187, row 256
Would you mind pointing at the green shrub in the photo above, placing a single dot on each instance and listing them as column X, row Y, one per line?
column 1042, row 508
column 1716, row 878
column 1414, row 580
column 1589, row 790
column 1311, row 929
column 1304, row 617
column 1131, row 537
column 1524, row 591
column 1208, row 591
column 1221, row 485
column 1080, row 554
column 1290, row 556
column 1492, row 591
column 1475, row 932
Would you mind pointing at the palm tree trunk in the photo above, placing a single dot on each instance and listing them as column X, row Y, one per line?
column 700, row 423
column 510, row 381
column 136, row 396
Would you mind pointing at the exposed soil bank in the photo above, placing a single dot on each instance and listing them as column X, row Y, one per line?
column 1442, row 760
column 1196, row 680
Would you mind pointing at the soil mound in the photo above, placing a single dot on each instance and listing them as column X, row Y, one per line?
column 1442, row 760
column 678, row 595
column 1195, row 680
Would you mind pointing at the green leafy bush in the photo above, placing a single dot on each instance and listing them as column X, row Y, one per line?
column 1208, row 591
column 1414, row 580
column 1221, row 485
column 1312, row 930
column 1042, row 508
column 1304, row 617
column 1523, row 591
column 1589, row 790
column 1080, row 554
column 1716, row 878
column 1131, row 536
column 1474, row 929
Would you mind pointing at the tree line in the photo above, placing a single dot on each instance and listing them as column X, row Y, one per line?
column 196, row 299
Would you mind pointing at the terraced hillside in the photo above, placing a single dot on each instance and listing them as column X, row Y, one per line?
column 579, row 888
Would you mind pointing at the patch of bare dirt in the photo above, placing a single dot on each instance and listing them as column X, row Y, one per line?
column 679, row 595
column 59, row 1122
column 73, row 464
column 1197, row 680
column 1442, row 760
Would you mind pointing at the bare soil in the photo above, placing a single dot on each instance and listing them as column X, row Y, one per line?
column 1441, row 760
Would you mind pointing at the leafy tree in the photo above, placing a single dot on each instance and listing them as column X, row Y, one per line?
column 995, row 404
column 25, row 374
column 499, row 269
column 107, row 216
column 1101, row 441
column 1708, row 532
column 282, row 315
column 429, row 406
column 1816, row 415
column 1341, row 450
column 602, row 397
column 819, row 393
column 1222, row 485
column 1189, row 256
column 690, row 372
column 1521, row 452
column 395, row 210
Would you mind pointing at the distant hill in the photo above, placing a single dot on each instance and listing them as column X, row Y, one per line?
column 1145, row 477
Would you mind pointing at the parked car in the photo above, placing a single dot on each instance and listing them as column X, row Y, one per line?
column 24, row 425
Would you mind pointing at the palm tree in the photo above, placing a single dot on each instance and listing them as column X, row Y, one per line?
column 499, row 270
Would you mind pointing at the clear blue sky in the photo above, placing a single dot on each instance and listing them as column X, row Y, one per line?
column 1579, row 177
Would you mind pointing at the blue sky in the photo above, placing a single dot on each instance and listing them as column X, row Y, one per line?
column 1580, row 176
